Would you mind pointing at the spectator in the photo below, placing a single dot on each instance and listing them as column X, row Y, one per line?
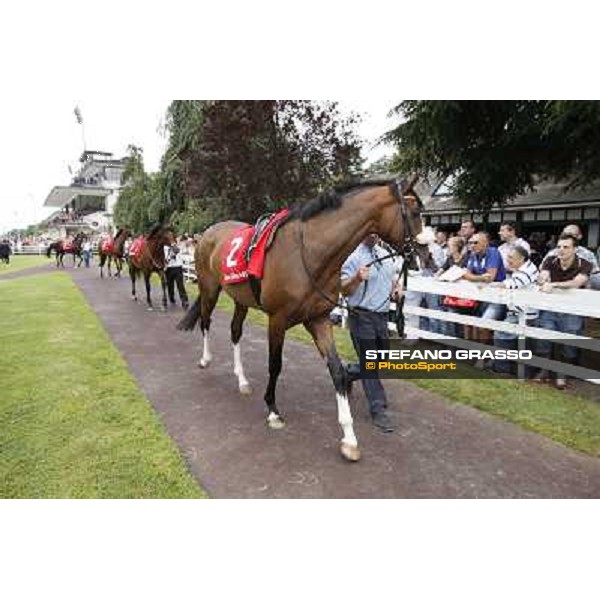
column 457, row 256
column 434, row 263
column 467, row 230
column 523, row 273
column 368, row 292
column 484, row 265
column 582, row 252
column 87, row 252
column 174, row 272
column 508, row 235
column 441, row 239
column 566, row 270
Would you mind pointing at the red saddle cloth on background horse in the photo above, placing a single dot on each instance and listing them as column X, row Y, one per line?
column 108, row 246
column 245, row 251
column 67, row 246
column 137, row 246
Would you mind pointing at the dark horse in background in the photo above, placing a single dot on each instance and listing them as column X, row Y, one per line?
column 61, row 247
column 301, row 280
column 5, row 252
column 147, row 256
column 113, row 250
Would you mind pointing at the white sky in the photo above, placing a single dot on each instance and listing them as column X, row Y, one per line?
column 40, row 138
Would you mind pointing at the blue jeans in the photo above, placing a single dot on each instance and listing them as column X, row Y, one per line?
column 87, row 255
column 431, row 301
column 563, row 322
column 370, row 326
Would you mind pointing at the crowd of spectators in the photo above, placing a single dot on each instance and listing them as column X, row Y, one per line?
column 502, row 259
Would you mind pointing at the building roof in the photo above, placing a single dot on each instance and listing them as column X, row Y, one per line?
column 60, row 196
column 546, row 194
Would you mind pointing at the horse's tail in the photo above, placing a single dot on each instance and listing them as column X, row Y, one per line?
column 191, row 317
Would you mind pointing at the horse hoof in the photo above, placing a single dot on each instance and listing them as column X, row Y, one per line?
column 203, row 364
column 351, row 453
column 245, row 389
column 274, row 421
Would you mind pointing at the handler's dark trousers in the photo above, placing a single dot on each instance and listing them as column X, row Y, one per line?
column 366, row 325
column 175, row 275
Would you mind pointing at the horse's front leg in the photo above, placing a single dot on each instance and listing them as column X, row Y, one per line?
column 276, row 339
column 322, row 334
column 147, row 275
column 163, row 283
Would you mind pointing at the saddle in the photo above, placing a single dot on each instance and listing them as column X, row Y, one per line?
column 245, row 251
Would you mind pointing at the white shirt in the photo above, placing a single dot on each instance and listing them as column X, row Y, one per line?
column 173, row 259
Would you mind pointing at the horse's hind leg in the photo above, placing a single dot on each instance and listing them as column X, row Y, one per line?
column 237, row 323
column 323, row 337
column 109, row 263
column 209, row 294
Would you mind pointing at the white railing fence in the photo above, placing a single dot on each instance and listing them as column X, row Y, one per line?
column 585, row 303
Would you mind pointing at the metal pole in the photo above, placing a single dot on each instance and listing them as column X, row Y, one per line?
column 522, row 342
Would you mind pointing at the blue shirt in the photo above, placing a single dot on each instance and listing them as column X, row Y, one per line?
column 492, row 259
column 374, row 293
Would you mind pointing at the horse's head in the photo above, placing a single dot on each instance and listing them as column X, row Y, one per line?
column 400, row 223
column 160, row 235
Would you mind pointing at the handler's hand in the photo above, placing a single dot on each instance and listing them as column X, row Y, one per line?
column 363, row 273
column 397, row 292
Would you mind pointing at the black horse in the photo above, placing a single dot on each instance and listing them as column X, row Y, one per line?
column 61, row 247
column 5, row 252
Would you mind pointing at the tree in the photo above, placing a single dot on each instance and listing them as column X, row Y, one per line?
column 239, row 159
column 134, row 208
column 496, row 150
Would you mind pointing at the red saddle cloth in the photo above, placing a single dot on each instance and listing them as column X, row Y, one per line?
column 108, row 246
column 68, row 246
column 235, row 267
column 137, row 246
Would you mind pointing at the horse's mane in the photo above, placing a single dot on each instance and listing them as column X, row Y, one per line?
column 119, row 232
column 154, row 231
column 332, row 199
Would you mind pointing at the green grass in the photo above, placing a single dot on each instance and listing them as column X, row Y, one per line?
column 73, row 422
column 18, row 263
column 569, row 419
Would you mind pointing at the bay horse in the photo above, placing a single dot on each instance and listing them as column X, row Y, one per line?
column 150, row 259
column 302, row 278
column 61, row 248
column 113, row 251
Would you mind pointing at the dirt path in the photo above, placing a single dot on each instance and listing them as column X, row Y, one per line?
column 439, row 450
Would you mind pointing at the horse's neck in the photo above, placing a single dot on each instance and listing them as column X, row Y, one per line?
column 334, row 235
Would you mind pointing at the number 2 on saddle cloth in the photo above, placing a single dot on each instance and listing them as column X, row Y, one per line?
column 243, row 256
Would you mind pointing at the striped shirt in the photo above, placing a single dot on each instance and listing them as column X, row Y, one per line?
column 526, row 275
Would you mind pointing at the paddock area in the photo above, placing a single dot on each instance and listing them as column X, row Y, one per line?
column 441, row 449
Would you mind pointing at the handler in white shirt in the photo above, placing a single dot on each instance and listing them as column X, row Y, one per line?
column 174, row 273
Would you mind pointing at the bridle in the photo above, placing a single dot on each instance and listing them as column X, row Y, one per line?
column 407, row 249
